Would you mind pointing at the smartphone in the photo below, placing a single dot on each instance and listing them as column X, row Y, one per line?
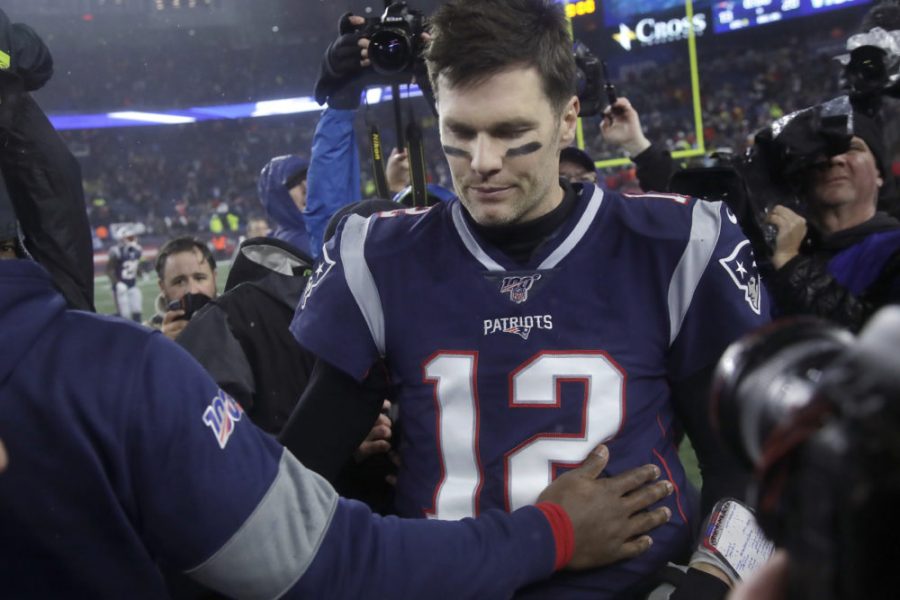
column 189, row 303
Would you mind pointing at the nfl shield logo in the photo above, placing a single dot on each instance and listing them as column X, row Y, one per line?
column 517, row 287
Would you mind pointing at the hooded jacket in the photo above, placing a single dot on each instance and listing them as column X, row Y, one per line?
column 123, row 454
column 42, row 177
column 290, row 225
column 241, row 338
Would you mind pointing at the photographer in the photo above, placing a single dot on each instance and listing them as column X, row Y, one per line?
column 187, row 280
column 621, row 127
column 842, row 260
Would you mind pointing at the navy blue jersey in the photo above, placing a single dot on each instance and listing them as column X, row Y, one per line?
column 126, row 259
column 509, row 374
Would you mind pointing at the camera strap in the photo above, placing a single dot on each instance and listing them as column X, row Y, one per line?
column 377, row 155
column 415, row 150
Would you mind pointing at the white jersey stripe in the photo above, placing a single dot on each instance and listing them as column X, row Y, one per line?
column 706, row 224
column 469, row 242
column 269, row 553
column 359, row 277
column 561, row 251
column 577, row 232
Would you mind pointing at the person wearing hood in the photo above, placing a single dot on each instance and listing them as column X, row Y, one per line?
column 282, row 191
column 40, row 173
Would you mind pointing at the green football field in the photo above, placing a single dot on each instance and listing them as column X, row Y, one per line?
column 103, row 298
column 104, row 301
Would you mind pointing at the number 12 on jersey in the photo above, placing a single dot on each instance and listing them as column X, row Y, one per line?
column 530, row 466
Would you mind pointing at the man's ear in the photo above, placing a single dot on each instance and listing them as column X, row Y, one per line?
column 568, row 123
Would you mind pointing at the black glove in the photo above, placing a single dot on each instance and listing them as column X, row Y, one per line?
column 340, row 65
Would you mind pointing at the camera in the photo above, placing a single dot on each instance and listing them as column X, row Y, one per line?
column 775, row 170
column 395, row 38
column 816, row 413
column 189, row 303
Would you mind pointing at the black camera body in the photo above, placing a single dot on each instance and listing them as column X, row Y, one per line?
column 816, row 413
column 189, row 303
column 395, row 38
column 776, row 170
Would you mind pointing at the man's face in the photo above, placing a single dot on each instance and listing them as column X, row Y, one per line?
column 576, row 173
column 257, row 228
column 298, row 195
column 187, row 272
column 850, row 179
column 502, row 140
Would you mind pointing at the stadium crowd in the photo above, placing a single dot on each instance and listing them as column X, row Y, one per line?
column 174, row 178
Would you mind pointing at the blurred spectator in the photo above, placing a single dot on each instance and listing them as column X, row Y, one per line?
column 621, row 127
column 257, row 227
column 577, row 166
column 282, row 191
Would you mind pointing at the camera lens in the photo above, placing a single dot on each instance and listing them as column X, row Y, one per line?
column 390, row 51
column 766, row 376
column 867, row 70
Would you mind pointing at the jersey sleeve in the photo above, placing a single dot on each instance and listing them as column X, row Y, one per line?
column 369, row 556
column 222, row 501
column 213, row 495
column 715, row 295
column 340, row 317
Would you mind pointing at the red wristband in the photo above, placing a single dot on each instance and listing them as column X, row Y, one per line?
column 563, row 532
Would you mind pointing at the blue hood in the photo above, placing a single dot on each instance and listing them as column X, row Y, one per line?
column 287, row 220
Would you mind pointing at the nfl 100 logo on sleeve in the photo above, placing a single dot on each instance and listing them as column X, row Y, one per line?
column 221, row 415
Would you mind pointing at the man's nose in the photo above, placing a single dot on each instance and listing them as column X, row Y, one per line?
column 487, row 155
column 837, row 159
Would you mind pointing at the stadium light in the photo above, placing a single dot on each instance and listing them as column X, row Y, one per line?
column 146, row 117
column 265, row 108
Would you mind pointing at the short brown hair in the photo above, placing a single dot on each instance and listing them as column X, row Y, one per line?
column 476, row 39
column 179, row 245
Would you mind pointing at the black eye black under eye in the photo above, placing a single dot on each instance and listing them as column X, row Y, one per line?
column 524, row 149
column 452, row 151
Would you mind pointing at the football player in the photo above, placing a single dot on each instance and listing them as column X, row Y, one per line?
column 531, row 318
column 123, row 269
